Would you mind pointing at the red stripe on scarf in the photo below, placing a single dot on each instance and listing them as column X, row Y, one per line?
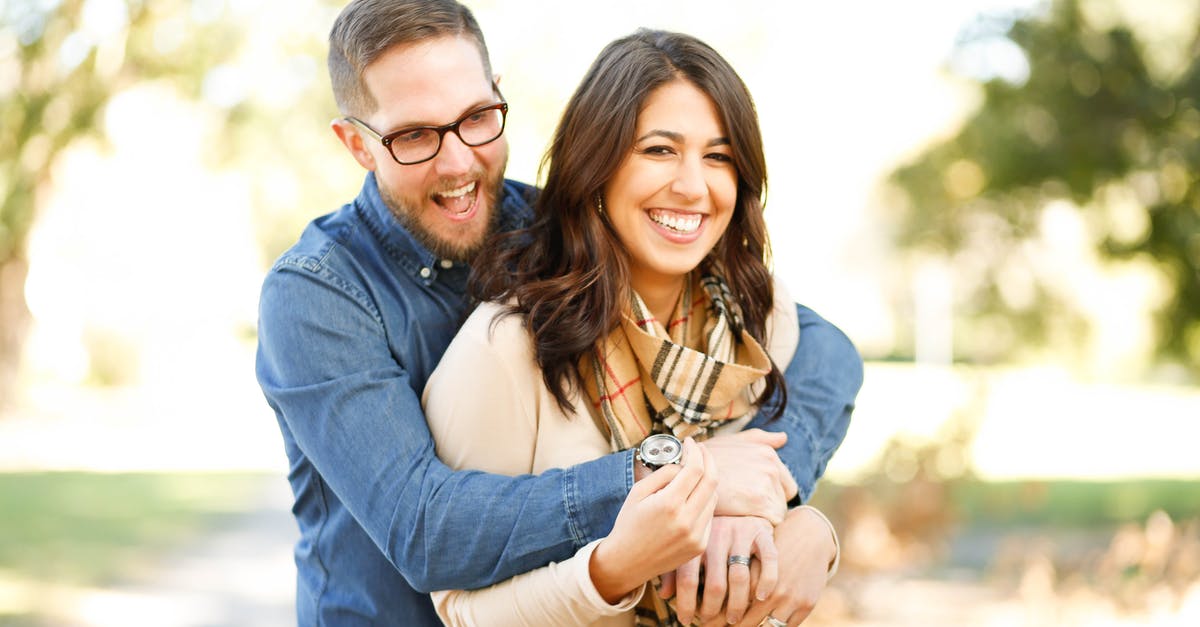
column 621, row 393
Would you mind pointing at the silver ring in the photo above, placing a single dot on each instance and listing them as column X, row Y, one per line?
column 771, row 621
column 739, row 559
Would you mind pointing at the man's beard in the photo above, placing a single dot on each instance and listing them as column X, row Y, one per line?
column 455, row 250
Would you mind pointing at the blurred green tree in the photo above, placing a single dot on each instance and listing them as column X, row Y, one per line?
column 1100, row 122
column 61, row 61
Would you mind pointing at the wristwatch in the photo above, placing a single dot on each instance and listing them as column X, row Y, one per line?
column 660, row 449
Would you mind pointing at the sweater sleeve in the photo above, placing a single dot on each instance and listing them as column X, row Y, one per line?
column 558, row 594
column 484, row 405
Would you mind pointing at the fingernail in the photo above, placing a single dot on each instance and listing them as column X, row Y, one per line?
column 761, row 596
column 734, row 618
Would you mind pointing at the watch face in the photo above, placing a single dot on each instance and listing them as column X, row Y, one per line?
column 660, row 449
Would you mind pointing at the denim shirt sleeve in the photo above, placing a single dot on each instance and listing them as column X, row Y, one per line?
column 823, row 379
column 325, row 367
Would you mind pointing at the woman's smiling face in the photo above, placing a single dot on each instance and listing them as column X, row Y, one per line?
column 673, row 195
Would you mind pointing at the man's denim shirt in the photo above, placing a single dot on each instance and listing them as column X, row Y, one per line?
column 352, row 320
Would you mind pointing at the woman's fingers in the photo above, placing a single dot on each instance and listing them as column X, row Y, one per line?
column 687, row 581
column 656, row 481
column 691, row 473
column 768, row 555
column 703, row 498
column 666, row 586
column 715, row 558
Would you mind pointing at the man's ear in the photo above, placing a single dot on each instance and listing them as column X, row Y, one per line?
column 348, row 134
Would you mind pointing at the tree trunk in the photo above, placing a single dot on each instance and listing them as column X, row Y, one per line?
column 14, row 322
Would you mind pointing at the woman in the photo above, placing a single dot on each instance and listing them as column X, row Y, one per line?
column 642, row 297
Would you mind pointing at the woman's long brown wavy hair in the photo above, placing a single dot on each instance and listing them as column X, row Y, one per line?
column 568, row 274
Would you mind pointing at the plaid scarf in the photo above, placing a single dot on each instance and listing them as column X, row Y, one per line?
column 687, row 378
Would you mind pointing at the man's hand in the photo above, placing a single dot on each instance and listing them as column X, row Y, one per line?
column 753, row 480
column 806, row 548
column 745, row 536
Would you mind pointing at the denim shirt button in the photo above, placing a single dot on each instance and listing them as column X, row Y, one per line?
column 425, row 272
column 446, row 263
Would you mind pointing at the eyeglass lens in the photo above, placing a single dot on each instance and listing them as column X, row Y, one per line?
column 477, row 128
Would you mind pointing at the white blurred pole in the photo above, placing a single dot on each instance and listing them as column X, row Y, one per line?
column 933, row 313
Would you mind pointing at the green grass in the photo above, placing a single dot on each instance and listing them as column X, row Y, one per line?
column 91, row 529
column 1046, row 503
column 1075, row 503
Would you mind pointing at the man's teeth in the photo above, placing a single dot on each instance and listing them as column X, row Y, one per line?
column 676, row 222
column 460, row 192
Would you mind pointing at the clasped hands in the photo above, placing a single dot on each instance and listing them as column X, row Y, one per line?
column 728, row 498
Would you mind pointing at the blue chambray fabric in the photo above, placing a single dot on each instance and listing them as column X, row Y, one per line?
column 352, row 320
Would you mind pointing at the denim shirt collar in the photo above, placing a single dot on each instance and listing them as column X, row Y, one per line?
column 417, row 260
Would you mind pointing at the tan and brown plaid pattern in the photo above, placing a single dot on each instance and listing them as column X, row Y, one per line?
column 688, row 376
column 700, row 374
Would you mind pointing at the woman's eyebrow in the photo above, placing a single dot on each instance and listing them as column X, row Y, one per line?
column 671, row 135
column 678, row 137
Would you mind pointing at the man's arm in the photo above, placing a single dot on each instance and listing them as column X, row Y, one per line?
column 325, row 367
column 823, row 379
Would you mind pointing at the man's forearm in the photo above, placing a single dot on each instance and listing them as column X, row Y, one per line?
column 502, row 526
column 459, row 530
column 349, row 409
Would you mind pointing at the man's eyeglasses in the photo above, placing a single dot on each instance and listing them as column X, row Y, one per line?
column 418, row 144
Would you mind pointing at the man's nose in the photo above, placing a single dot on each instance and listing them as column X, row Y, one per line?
column 454, row 158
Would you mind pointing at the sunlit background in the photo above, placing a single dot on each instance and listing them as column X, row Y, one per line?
column 997, row 200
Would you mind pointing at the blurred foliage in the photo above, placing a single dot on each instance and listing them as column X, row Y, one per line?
column 1076, row 504
column 63, row 61
column 1098, row 124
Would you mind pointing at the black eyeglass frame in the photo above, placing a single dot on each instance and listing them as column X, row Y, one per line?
column 441, row 131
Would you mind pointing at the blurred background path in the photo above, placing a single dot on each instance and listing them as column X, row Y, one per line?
column 240, row 573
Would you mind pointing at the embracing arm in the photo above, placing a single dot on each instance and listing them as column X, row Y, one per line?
column 823, row 378
column 352, row 410
column 509, row 422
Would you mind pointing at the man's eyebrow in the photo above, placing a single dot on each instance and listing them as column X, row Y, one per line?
column 678, row 138
column 469, row 108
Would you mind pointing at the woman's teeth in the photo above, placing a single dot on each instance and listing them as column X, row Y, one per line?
column 677, row 222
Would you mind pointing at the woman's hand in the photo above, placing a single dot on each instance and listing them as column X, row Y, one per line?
column 743, row 536
column 663, row 523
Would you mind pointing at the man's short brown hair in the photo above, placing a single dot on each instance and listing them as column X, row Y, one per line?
column 366, row 29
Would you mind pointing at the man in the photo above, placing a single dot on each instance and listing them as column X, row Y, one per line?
column 355, row 316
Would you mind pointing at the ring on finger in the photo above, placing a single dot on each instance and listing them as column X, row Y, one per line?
column 739, row 559
column 771, row 621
